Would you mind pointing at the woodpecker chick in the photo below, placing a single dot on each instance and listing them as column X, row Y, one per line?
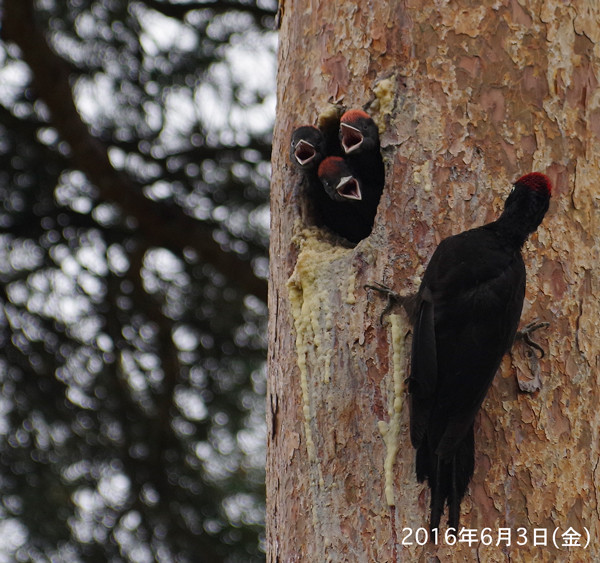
column 343, row 211
column 307, row 151
column 466, row 315
column 338, row 181
column 307, row 148
column 358, row 132
column 359, row 138
column 343, row 192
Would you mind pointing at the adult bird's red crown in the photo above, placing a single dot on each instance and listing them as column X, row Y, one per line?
column 536, row 181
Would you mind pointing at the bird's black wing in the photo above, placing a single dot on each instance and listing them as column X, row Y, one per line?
column 423, row 375
column 473, row 288
column 476, row 311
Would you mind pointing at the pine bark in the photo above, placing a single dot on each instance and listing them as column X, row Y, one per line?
column 468, row 97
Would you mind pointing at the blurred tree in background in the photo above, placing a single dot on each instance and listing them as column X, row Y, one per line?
column 134, row 147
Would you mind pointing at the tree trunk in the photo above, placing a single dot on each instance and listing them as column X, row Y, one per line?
column 467, row 98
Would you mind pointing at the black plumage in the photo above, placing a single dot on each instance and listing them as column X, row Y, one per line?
column 332, row 208
column 307, row 148
column 466, row 316
column 342, row 210
column 344, row 171
column 359, row 137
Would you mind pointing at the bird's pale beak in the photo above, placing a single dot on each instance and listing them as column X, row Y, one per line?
column 349, row 188
column 352, row 138
column 304, row 152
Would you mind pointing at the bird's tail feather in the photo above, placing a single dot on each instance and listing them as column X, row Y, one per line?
column 448, row 478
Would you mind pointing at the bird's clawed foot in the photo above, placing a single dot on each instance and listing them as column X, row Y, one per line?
column 526, row 332
column 392, row 297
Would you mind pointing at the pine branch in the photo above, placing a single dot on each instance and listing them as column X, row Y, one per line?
column 180, row 10
column 165, row 227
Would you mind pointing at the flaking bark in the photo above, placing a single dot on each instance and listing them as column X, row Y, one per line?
column 468, row 97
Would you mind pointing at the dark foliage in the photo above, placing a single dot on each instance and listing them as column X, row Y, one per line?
column 133, row 189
